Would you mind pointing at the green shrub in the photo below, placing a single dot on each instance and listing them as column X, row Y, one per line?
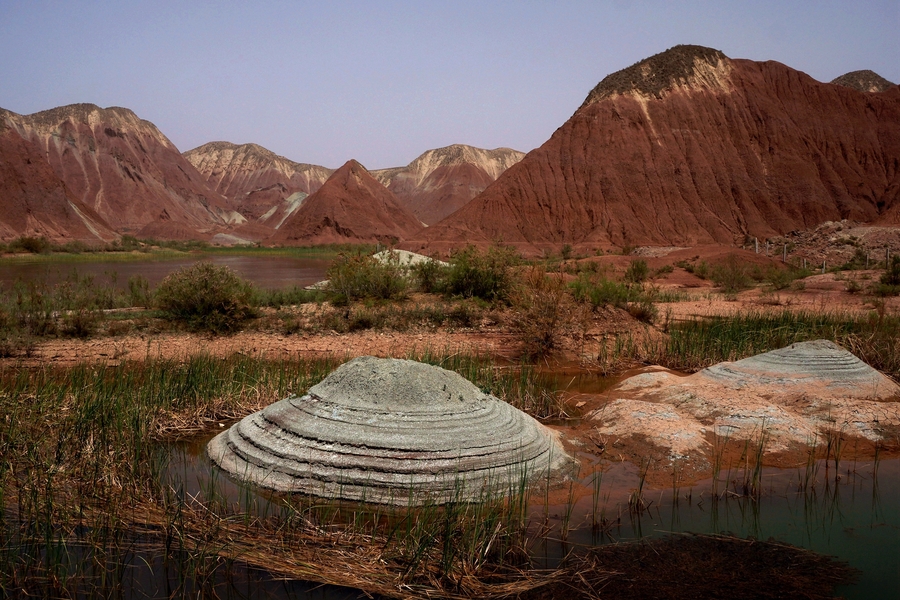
column 543, row 314
column 139, row 291
column 206, row 297
column 600, row 291
column 357, row 275
column 731, row 275
column 891, row 275
column 430, row 276
column 637, row 271
column 485, row 275
column 34, row 245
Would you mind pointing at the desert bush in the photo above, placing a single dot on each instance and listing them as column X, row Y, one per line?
column 34, row 245
column 891, row 275
column 599, row 291
column 544, row 312
column 731, row 275
column 139, row 291
column 485, row 275
column 637, row 271
column 206, row 297
column 354, row 276
column 430, row 276
column 889, row 282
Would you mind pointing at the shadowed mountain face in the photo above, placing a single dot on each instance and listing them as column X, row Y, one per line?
column 863, row 81
column 441, row 181
column 35, row 201
column 264, row 187
column 124, row 169
column 691, row 147
column 350, row 207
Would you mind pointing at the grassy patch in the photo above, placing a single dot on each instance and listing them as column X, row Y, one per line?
column 696, row 344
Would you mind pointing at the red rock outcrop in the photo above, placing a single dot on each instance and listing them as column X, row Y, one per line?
column 265, row 187
column 690, row 147
column 124, row 169
column 863, row 81
column 350, row 207
column 443, row 180
column 35, row 202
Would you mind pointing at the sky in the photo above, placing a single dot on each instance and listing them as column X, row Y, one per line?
column 382, row 82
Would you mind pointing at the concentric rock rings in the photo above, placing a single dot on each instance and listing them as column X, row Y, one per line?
column 389, row 431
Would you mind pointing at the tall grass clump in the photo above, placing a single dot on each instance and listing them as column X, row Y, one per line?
column 206, row 297
column 699, row 343
column 355, row 276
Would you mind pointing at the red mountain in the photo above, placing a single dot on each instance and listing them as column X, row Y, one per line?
column 124, row 169
column 690, row 147
column 35, row 202
column 264, row 187
column 444, row 180
column 350, row 207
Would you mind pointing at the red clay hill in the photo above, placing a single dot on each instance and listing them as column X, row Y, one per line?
column 36, row 202
column 350, row 207
column 119, row 166
column 691, row 147
column 264, row 186
column 442, row 180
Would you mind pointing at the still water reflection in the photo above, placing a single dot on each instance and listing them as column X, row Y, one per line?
column 856, row 518
column 267, row 272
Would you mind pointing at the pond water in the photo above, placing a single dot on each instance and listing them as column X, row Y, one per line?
column 267, row 272
column 855, row 517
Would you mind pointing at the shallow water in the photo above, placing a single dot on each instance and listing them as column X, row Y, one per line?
column 856, row 518
column 267, row 272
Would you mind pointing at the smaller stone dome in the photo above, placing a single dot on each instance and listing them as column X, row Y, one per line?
column 389, row 431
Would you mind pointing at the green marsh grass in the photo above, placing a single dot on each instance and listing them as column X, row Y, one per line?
column 698, row 343
column 84, row 473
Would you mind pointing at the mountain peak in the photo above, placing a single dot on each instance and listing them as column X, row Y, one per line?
column 863, row 81
column 679, row 65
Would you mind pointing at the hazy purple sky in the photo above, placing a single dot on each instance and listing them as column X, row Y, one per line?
column 323, row 82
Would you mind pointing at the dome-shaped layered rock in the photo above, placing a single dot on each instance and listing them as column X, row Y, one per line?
column 805, row 364
column 388, row 431
column 791, row 397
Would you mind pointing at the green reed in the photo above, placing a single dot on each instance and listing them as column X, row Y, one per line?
column 86, row 488
column 698, row 343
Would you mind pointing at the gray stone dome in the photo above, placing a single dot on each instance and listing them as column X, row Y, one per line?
column 389, row 431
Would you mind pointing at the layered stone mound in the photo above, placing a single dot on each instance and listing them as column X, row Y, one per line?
column 690, row 147
column 389, row 431
column 792, row 397
column 816, row 363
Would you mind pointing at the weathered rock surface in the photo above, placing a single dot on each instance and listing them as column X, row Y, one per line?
column 795, row 394
column 264, row 186
column 442, row 180
column 350, row 207
column 690, row 147
column 388, row 431
column 121, row 167
column 863, row 81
